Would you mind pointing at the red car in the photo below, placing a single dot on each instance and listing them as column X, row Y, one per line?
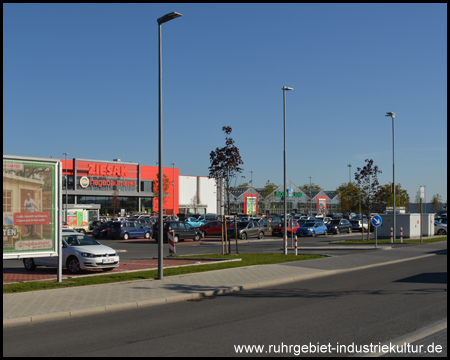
column 213, row 227
column 278, row 230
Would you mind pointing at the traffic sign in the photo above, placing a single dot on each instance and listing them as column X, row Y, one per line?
column 376, row 221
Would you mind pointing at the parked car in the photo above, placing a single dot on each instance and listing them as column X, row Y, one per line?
column 212, row 228
column 246, row 229
column 440, row 228
column 278, row 230
column 93, row 224
column 326, row 220
column 312, row 228
column 102, row 230
column 128, row 229
column 182, row 231
column 193, row 221
column 336, row 226
column 271, row 220
column 208, row 217
column 357, row 225
column 79, row 252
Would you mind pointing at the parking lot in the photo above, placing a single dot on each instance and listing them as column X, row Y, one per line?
column 142, row 254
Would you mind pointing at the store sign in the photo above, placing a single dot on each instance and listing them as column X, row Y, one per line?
column 84, row 182
column 290, row 193
column 109, row 170
column 100, row 183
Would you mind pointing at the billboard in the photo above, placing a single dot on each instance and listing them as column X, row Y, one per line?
column 251, row 204
column 31, row 200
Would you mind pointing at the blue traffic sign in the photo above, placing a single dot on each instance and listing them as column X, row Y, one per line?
column 376, row 221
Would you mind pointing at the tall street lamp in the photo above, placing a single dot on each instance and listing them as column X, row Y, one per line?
column 65, row 154
column 349, row 181
column 161, row 21
column 349, row 173
column 173, row 186
column 310, row 200
column 392, row 115
column 251, row 172
column 285, row 88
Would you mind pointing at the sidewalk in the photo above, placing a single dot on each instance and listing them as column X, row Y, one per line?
column 46, row 305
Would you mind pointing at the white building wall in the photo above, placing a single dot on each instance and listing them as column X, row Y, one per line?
column 198, row 189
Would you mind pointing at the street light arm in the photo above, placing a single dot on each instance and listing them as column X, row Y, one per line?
column 168, row 17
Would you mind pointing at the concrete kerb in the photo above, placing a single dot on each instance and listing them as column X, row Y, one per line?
column 186, row 297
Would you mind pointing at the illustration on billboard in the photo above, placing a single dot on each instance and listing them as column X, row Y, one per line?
column 322, row 204
column 251, row 205
column 29, row 206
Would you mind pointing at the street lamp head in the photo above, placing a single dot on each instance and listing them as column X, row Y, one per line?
column 168, row 17
column 349, row 165
column 287, row 88
column 391, row 114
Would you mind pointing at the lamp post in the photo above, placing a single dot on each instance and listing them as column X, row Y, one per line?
column 284, row 88
column 349, row 181
column 349, row 172
column 392, row 115
column 161, row 21
column 65, row 155
column 310, row 200
column 251, row 172
column 173, row 186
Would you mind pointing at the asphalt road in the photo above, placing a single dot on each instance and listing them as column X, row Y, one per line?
column 364, row 307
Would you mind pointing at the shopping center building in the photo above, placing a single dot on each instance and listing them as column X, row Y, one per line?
column 129, row 187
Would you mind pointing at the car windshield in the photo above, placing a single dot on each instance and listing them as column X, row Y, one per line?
column 309, row 224
column 77, row 240
column 336, row 222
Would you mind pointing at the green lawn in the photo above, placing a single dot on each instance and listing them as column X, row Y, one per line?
column 247, row 260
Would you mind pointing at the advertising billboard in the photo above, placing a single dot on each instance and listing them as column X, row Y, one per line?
column 31, row 200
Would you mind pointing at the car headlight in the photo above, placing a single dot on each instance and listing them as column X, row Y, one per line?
column 310, row 229
column 88, row 255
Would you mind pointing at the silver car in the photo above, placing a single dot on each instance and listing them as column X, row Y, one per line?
column 439, row 228
column 79, row 252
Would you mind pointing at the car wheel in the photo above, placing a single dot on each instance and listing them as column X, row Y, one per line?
column 73, row 265
column 29, row 264
column 261, row 235
column 349, row 230
column 313, row 233
column 204, row 234
column 197, row 237
column 337, row 231
column 439, row 232
column 147, row 235
column 244, row 236
column 126, row 236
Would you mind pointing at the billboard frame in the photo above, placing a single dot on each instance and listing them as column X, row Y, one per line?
column 55, row 213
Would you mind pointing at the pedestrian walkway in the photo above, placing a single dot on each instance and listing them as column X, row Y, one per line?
column 46, row 305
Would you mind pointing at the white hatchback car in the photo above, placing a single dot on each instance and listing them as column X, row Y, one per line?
column 79, row 252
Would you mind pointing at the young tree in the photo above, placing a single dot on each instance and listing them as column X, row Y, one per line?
column 115, row 201
column 436, row 201
column 166, row 185
column 367, row 183
column 349, row 197
column 401, row 196
column 225, row 163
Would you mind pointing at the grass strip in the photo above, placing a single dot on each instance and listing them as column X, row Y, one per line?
column 247, row 260
column 397, row 241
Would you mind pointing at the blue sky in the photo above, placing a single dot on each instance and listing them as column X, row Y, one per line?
column 83, row 79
